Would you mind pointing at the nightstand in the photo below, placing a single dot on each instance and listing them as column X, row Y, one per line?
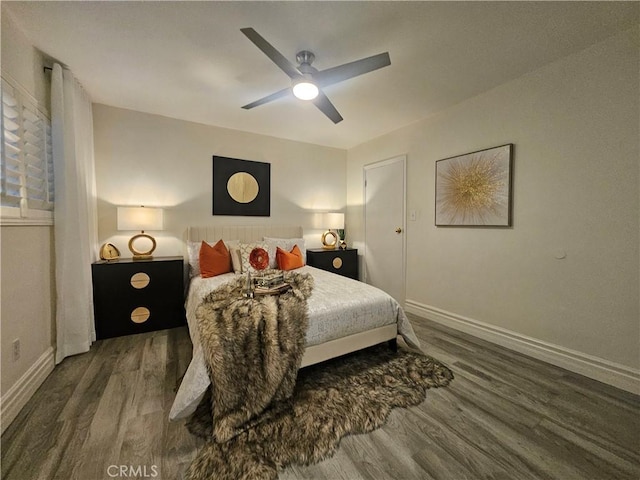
column 137, row 296
column 342, row 262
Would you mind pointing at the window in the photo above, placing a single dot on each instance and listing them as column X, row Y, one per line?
column 26, row 162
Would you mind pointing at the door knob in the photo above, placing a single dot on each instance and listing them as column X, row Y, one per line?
column 398, row 230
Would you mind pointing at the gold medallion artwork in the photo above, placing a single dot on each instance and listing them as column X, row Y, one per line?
column 474, row 189
column 243, row 187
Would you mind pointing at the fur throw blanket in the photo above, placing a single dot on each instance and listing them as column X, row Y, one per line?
column 253, row 348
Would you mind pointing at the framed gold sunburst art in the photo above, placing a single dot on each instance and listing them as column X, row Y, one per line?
column 474, row 189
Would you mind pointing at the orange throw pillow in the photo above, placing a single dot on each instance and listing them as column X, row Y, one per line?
column 289, row 260
column 214, row 260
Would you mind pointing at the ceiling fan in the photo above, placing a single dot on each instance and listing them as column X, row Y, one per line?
column 306, row 81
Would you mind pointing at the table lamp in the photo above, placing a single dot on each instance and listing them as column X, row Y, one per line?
column 331, row 221
column 140, row 218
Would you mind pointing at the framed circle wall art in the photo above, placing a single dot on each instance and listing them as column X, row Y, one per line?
column 241, row 187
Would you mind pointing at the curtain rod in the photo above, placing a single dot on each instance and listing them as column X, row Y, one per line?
column 47, row 68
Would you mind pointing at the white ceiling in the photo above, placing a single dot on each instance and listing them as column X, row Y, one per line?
column 189, row 60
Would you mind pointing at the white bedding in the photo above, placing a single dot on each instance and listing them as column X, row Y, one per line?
column 338, row 307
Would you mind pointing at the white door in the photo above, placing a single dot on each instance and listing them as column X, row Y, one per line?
column 384, row 205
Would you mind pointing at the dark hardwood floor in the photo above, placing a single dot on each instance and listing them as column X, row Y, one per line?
column 505, row 416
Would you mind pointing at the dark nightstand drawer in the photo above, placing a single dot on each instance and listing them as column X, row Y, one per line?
column 342, row 262
column 137, row 296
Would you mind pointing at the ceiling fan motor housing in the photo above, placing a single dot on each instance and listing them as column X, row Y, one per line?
column 305, row 58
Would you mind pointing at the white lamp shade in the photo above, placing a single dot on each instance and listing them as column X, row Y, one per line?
column 333, row 221
column 140, row 218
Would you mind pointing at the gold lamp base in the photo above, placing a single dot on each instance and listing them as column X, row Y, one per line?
column 144, row 255
column 329, row 244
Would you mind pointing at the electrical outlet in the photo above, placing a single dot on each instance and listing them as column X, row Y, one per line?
column 16, row 349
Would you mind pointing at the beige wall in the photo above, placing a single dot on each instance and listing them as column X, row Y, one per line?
column 574, row 124
column 27, row 298
column 22, row 62
column 144, row 159
column 27, row 286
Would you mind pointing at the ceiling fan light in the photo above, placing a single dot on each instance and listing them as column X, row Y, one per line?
column 305, row 90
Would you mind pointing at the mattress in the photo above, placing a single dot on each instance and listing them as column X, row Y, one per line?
column 338, row 307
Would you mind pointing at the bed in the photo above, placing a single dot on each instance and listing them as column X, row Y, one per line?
column 345, row 315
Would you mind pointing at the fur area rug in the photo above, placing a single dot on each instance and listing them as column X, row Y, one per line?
column 348, row 395
column 252, row 348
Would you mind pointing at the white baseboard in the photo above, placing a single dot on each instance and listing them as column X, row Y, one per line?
column 20, row 393
column 615, row 374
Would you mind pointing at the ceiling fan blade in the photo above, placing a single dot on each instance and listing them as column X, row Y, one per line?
column 352, row 69
column 326, row 107
column 269, row 98
column 276, row 57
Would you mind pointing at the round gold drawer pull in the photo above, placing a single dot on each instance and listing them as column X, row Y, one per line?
column 337, row 262
column 140, row 315
column 140, row 280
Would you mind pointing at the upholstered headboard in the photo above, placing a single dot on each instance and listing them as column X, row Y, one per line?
column 245, row 234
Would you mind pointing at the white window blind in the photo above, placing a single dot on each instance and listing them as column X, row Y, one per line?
column 26, row 163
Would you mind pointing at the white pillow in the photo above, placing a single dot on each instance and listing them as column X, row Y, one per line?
column 245, row 251
column 193, row 253
column 236, row 261
column 285, row 244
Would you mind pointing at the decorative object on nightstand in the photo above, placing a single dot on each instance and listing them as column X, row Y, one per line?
column 331, row 221
column 135, row 297
column 140, row 218
column 341, row 235
column 109, row 252
column 343, row 261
